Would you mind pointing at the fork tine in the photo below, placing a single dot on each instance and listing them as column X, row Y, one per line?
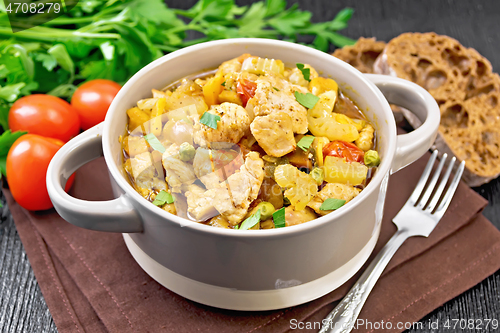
column 442, row 185
column 432, row 183
column 423, row 179
column 451, row 190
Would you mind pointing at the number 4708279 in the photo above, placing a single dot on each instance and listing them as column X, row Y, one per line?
column 34, row 8
column 477, row 324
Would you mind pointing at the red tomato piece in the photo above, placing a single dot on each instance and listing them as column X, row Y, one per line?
column 44, row 115
column 345, row 150
column 246, row 90
column 27, row 164
column 92, row 100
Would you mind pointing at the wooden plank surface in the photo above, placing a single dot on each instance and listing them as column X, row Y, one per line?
column 474, row 23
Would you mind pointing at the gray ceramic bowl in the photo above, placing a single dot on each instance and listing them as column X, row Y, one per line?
column 253, row 269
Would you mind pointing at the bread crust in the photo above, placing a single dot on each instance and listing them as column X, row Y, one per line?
column 466, row 90
column 361, row 55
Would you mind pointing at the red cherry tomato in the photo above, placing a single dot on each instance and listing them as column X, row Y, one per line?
column 246, row 90
column 44, row 115
column 92, row 100
column 27, row 164
column 345, row 150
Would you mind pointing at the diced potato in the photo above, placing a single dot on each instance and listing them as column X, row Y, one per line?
column 134, row 145
column 319, row 85
column 147, row 104
column 300, row 187
column 267, row 224
column 213, row 88
column 322, row 122
column 337, row 170
column 137, row 117
column 160, row 94
column 260, row 66
column 295, row 216
column 230, row 96
column 219, row 221
column 296, row 77
column 187, row 93
column 170, row 208
column 343, row 119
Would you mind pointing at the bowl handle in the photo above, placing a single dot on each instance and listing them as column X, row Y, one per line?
column 413, row 145
column 116, row 215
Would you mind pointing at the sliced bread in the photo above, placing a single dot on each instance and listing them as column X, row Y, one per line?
column 466, row 90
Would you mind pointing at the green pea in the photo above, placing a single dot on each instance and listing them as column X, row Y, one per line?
column 266, row 210
column 371, row 158
column 186, row 152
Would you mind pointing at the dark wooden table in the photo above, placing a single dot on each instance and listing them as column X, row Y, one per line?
column 474, row 23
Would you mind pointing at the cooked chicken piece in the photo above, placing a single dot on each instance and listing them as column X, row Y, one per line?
column 274, row 133
column 230, row 66
column 294, row 217
column 200, row 203
column 335, row 191
column 144, row 173
column 178, row 172
column 295, row 76
column 232, row 126
column 275, row 94
column 203, row 168
column 233, row 196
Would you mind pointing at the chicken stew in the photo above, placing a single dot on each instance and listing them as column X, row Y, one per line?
column 250, row 145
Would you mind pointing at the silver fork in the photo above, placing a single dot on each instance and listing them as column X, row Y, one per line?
column 418, row 217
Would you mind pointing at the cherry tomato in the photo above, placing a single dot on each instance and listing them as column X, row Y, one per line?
column 246, row 90
column 344, row 149
column 27, row 164
column 44, row 115
column 92, row 100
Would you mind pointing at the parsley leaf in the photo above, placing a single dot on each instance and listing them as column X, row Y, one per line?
column 6, row 140
column 47, row 60
column 305, row 142
column 210, row 119
column 308, row 100
column 162, row 198
column 279, row 218
column 306, row 72
column 251, row 221
column 276, row 89
column 154, row 142
column 332, row 204
column 223, row 84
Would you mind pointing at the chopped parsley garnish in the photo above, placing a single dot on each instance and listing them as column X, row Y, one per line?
column 276, row 89
column 306, row 72
column 223, row 84
column 305, row 142
column 251, row 221
column 210, row 120
column 308, row 100
column 154, row 142
column 332, row 204
column 279, row 218
column 236, row 227
column 162, row 198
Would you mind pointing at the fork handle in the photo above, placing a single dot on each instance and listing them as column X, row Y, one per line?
column 343, row 318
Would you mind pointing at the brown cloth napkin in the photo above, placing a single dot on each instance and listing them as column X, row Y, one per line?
column 92, row 284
